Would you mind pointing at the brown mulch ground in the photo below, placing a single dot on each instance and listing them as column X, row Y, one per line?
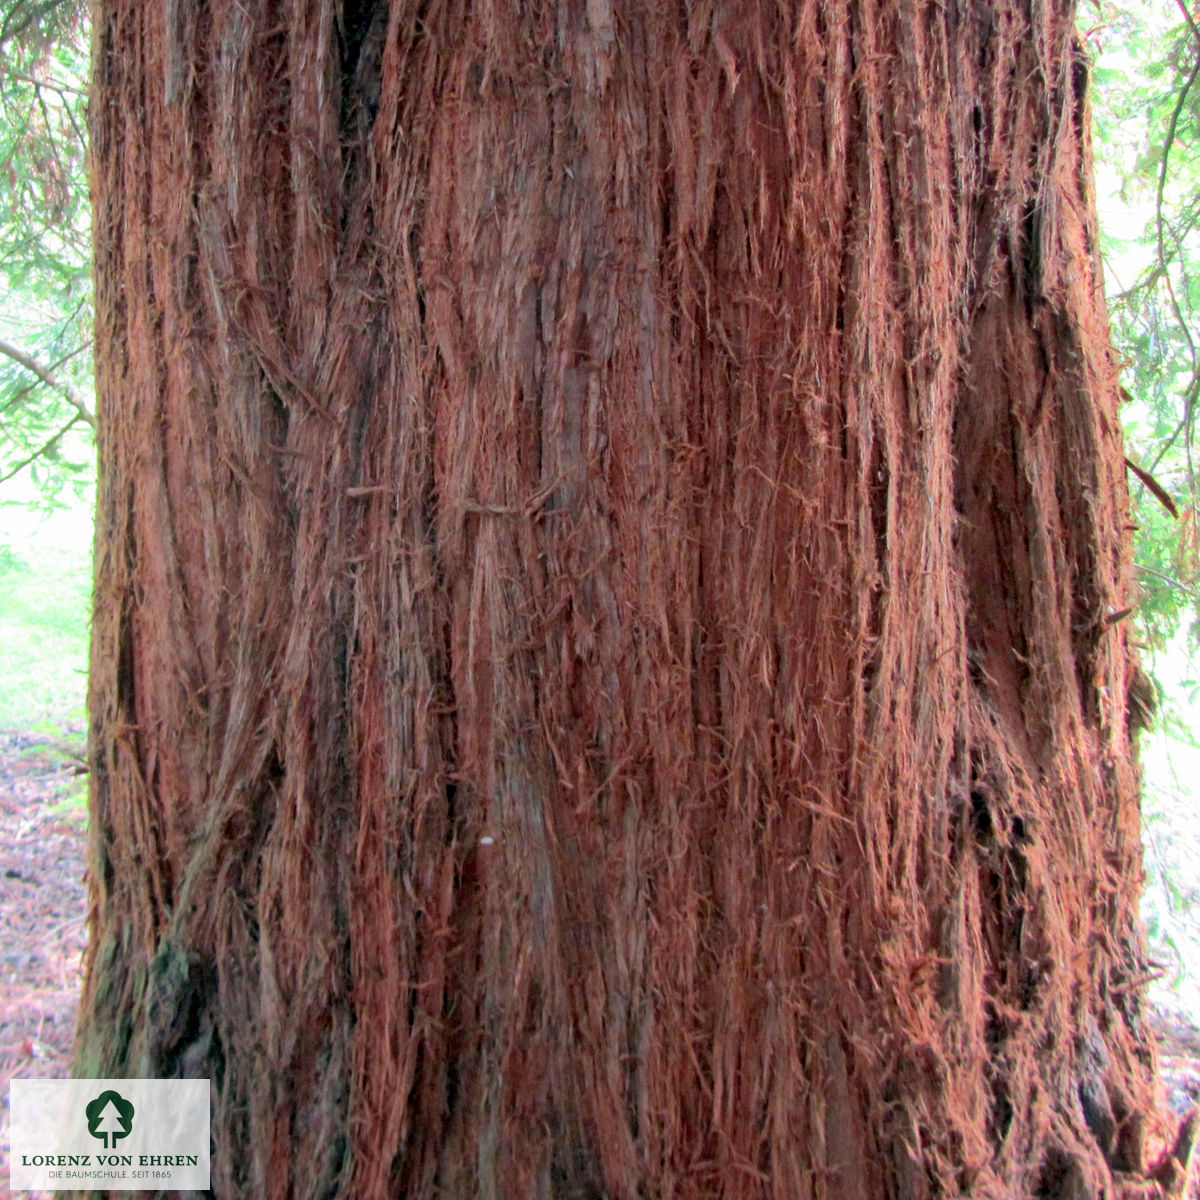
column 42, row 926
column 42, row 910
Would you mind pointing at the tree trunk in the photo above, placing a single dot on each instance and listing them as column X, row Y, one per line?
column 605, row 679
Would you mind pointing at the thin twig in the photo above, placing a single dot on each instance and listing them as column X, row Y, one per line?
column 1170, row 580
column 48, row 377
column 1191, row 21
column 19, row 395
column 42, row 450
column 1159, row 225
column 17, row 22
column 1160, row 493
column 53, row 84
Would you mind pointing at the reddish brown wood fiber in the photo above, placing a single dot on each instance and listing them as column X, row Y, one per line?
column 601, row 685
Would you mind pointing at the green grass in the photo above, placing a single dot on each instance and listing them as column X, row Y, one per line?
column 45, row 601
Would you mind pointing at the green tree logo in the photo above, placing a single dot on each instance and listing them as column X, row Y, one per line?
column 109, row 1117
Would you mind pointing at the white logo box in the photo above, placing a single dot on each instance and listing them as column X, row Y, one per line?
column 115, row 1134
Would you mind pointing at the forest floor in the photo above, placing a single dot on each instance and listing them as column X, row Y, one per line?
column 43, row 910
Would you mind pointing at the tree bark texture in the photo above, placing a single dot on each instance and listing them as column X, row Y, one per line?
column 603, row 683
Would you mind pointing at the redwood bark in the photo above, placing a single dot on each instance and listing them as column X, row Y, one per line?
column 602, row 683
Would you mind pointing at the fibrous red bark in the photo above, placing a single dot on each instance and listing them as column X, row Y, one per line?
column 602, row 680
